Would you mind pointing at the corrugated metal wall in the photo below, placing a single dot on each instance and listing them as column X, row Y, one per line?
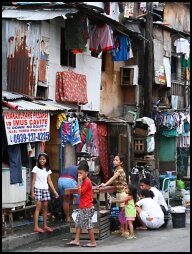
column 23, row 50
column 178, row 15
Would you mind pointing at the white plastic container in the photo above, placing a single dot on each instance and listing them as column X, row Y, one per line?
column 13, row 195
column 178, row 209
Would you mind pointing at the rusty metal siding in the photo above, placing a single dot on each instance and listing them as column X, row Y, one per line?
column 23, row 51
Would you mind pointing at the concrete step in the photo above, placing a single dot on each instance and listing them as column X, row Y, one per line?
column 25, row 235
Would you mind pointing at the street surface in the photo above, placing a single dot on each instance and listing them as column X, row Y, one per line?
column 163, row 240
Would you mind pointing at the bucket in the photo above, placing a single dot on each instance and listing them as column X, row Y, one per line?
column 178, row 220
column 178, row 214
column 169, row 181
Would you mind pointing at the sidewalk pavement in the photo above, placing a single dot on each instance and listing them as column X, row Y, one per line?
column 24, row 235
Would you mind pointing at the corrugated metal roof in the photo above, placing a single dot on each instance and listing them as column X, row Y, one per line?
column 12, row 96
column 40, row 105
column 50, row 13
column 36, row 14
column 58, row 105
column 35, row 104
column 29, row 3
column 133, row 25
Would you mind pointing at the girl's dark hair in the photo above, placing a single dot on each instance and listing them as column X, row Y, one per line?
column 83, row 165
column 121, row 157
column 133, row 191
column 147, row 193
column 47, row 161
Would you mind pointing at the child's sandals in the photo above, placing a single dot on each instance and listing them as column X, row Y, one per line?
column 131, row 237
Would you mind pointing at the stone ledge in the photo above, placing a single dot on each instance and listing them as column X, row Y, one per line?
column 12, row 242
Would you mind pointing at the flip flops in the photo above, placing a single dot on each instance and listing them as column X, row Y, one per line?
column 131, row 237
column 39, row 230
column 48, row 229
column 72, row 244
column 90, row 245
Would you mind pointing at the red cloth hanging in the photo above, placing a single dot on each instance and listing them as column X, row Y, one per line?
column 103, row 150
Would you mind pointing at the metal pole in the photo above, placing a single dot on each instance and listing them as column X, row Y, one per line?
column 60, row 151
column 129, row 150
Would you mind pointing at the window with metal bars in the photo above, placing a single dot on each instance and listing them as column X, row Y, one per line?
column 177, row 71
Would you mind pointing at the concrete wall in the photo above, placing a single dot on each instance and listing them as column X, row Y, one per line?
column 85, row 64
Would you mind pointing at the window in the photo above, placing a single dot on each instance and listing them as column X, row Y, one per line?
column 67, row 58
column 129, row 75
column 177, row 71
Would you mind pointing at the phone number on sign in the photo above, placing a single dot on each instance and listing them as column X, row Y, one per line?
column 30, row 137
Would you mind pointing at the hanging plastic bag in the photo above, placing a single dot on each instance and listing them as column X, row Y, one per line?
column 180, row 184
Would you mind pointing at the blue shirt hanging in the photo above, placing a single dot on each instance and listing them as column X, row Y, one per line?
column 121, row 48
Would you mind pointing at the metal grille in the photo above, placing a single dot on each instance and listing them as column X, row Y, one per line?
column 177, row 88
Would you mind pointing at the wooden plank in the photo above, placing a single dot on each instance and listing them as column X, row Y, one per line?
column 20, row 209
column 104, row 236
column 95, row 189
column 103, row 217
column 95, row 224
column 107, row 225
column 105, row 232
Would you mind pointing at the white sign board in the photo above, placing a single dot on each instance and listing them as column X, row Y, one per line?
column 26, row 126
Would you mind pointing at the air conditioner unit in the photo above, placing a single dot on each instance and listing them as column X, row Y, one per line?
column 129, row 75
column 13, row 195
